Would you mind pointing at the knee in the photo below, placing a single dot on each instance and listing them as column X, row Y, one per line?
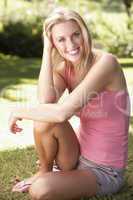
column 41, row 190
column 42, row 127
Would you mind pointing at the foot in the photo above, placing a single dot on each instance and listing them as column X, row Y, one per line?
column 24, row 185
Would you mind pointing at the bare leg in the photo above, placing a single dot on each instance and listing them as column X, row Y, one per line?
column 53, row 142
column 65, row 185
column 46, row 145
column 56, row 142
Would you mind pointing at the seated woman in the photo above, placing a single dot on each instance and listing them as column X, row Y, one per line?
column 93, row 160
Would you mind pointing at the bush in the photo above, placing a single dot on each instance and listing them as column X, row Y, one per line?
column 23, row 39
column 113, row 36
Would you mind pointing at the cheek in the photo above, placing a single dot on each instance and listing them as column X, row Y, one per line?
column 81, row 41
column 59, row 47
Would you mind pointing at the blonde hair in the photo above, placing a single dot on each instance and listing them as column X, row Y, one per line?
column 60, row 15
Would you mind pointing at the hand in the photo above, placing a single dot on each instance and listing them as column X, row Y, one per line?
column 14, row 128
column 48, row 45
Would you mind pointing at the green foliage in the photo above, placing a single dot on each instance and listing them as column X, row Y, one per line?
column 23, row 39
column 112, row 34
column 21, row 31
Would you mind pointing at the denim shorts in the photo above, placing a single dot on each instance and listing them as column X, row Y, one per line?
column 109, row 179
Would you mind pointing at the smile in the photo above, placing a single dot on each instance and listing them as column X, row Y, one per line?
column 74, row 52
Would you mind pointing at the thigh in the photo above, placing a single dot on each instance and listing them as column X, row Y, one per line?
column 68, row 146
column 65, row 185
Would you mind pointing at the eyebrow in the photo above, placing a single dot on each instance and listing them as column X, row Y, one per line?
column 61, row 36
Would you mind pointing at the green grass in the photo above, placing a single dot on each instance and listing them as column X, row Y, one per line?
column 21, row 163
column 127, row 65
column 16, row 163
column 17, row 74
column 15, row 70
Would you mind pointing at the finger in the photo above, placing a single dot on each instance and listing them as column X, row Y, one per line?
column 17, row 129
column 16, row 126
column 13, row 128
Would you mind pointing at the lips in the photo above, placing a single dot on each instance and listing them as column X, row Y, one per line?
column 74, row 52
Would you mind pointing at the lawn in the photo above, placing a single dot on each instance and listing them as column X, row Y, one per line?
column 19, row 76
column 21, row 163
column 18, row 73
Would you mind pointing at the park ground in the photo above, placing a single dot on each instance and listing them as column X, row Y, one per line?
column 18, row 80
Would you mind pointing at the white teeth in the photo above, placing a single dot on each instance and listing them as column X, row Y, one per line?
column 73, row 52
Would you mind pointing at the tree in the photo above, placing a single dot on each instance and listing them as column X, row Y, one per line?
column 128, row 5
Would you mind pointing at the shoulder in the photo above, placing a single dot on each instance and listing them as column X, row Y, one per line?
column 110, row 59
column 107, row 61
column 104, row 68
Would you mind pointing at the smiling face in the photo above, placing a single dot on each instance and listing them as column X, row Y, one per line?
column 68, row 40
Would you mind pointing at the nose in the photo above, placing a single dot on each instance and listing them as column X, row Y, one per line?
column 70, row 44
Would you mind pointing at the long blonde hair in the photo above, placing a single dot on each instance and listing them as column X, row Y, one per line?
column 61, row 15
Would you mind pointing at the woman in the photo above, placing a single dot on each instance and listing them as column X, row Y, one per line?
column 93, row 161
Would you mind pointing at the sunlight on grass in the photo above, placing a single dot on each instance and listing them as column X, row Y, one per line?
column 127, row 64
column 26, row 91
column 126, row 61
column 129, row 76
column 18, row 86
column 18, row 78
column 25, row 88
column 15, row 163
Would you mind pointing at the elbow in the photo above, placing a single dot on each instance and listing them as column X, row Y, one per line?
column 61, row 117
column 64, row 115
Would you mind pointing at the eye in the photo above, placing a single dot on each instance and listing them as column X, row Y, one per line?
column 77, row 34
column 61, row 40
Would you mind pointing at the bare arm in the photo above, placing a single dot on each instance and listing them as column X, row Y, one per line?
column 99, row 76
column 46, row 89
column 37, row 113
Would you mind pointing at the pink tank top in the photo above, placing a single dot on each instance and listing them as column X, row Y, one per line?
column 103, row 130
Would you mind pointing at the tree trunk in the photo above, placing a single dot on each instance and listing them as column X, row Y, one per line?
column 128, row 4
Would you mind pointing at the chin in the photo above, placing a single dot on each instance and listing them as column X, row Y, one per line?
column 75, row 61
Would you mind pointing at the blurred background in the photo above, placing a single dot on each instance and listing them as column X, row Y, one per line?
column 21, row 44
column 109, row 21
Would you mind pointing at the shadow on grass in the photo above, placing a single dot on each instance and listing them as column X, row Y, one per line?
column 13, row 69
